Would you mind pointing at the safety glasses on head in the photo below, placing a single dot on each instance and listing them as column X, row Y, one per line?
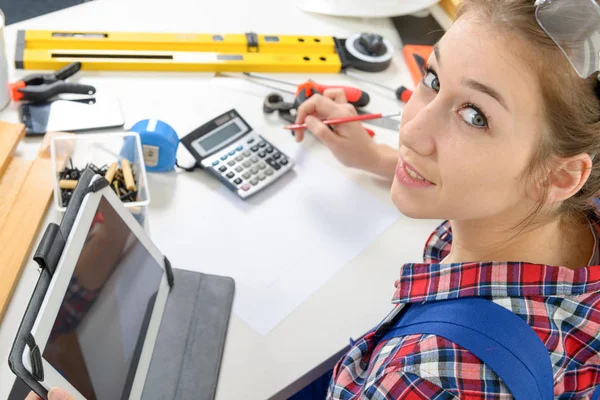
column 574, row 25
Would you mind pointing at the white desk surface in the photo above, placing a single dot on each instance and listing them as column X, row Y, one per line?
column 356, row 298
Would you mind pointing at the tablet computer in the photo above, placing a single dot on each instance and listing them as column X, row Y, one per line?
column 99, row 319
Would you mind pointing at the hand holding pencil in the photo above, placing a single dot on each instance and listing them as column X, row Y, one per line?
column 347, row 141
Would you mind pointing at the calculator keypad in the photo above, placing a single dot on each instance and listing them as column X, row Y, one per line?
column 251, row 165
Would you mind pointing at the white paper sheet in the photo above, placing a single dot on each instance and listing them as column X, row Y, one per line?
column 280, row 245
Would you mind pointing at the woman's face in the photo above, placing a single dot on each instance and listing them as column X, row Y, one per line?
column 470, row 129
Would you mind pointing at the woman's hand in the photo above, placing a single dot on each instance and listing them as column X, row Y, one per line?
column 54, row 394
column 349, row 142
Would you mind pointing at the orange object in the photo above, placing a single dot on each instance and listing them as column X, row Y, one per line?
column 14, row 90
column 416, row 57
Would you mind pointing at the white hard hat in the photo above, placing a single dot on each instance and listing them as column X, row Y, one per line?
column 364, row 8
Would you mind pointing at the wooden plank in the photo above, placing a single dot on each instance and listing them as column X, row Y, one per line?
column 10, row 134
column 21, row 226
column 10, row 183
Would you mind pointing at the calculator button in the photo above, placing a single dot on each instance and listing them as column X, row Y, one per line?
column 269, row 172
column 250, row 141
column 254, row 148
column 224, row 157
column 254, row 159
column 223, row 168
column 246, row 187
column 277, row 156
column 239, row 169
column 262, row 144
column 239, row 158
column 232, row 152
column 269, row 149
column 262, row 154
column 254, row 181
column 283, row 162
column 230, row 175
column 246, row 153
column 237, row 181
column 239, row 148
column 253, row 170
column 273, row 164
column 261, row 166
column 261, row 177
column 215, row 163
column 246, row 164
column 246, row 175
column 231, row 163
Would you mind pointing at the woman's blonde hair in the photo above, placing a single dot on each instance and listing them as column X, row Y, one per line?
column 571, row 105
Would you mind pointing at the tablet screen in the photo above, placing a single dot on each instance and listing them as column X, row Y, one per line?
column 97, row 337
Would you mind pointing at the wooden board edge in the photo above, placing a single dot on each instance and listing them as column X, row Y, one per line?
column 10, row 185
column 11, row 134
column 29, row 204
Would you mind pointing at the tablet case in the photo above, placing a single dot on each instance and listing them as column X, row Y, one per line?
column 187, row 355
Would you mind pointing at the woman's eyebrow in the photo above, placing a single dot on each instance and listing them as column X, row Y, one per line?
column 470, row 83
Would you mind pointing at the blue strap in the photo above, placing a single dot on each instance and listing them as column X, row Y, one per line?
column 596, row 394
column 498, row 337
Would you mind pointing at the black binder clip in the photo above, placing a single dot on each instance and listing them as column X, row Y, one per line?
column 50, row 249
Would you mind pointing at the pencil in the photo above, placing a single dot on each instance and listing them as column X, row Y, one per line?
column 335, row 121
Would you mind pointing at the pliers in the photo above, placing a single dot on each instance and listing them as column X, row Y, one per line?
column 274, row 102
column 39, row 88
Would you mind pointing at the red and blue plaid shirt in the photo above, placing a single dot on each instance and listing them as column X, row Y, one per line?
column 560, row 304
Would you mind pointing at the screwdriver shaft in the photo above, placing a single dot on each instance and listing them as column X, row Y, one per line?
column 268, row 78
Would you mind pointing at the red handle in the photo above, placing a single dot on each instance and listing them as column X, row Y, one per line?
column 404, row 94
column 352, row 94
column 14, row 90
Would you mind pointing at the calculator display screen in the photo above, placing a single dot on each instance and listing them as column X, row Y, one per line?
column 217, row 137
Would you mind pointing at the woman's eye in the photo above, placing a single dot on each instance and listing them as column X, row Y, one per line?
column 431, row 81
column 474, row 117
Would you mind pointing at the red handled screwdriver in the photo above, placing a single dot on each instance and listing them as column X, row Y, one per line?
column 402, row 93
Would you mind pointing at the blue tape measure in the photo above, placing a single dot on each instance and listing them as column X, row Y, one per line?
column 159, row 144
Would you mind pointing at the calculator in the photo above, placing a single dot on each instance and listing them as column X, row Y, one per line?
column 239, row 157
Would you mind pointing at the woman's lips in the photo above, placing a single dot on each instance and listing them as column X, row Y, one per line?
column 408, row 176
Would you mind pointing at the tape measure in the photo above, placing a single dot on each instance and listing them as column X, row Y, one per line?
column 159, row 144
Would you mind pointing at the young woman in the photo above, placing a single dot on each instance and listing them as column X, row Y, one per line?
column 500, row 139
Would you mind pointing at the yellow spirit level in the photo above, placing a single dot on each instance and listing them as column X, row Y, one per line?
column 130, row 51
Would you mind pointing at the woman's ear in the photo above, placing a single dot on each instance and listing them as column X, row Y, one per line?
column 567, row 176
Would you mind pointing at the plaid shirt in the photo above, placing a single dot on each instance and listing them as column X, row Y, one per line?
column 561, row 305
